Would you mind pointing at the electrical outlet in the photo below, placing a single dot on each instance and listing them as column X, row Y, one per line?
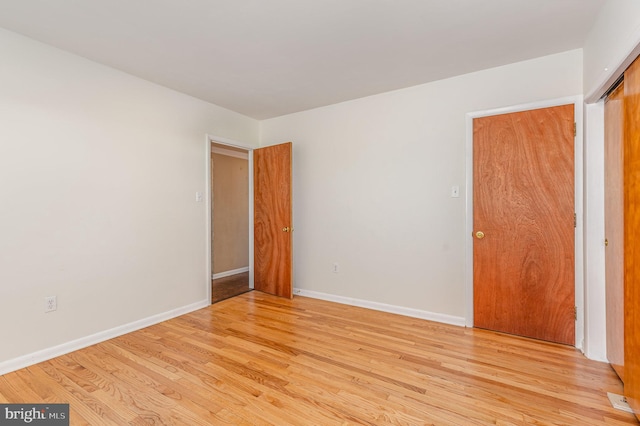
column 619, row 402
column 50, row 303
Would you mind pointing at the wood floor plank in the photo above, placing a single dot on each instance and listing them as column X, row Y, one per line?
column 260, row 360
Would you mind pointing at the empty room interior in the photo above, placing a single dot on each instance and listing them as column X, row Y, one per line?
column 304, row 212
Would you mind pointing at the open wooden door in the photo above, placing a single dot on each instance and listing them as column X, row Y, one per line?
column 523, row 218
column 273, row 220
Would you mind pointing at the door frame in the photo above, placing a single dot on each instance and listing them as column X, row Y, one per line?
column 208, row 204
column 577, row 101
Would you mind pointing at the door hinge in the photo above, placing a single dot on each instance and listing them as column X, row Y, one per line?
column 575, row 313
column 575, row 220
column 575, row 129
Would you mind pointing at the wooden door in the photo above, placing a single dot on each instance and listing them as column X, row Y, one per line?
column 632, row 236
column 273, row 227
column 523, row 197
column 614, row 227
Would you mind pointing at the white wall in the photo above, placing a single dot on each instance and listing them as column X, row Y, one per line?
column 372, row 182
column 612, row 44
column 594, row 296
column 98, row 174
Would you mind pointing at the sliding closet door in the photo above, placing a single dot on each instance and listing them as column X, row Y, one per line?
column 614, row 226
column 632, row 235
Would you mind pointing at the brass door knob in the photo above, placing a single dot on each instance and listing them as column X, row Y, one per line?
column 479, row 235
column 285, row 229
column 606, row 242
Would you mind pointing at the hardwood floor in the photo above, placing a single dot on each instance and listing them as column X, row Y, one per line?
column 224, row 288
column 260, row 360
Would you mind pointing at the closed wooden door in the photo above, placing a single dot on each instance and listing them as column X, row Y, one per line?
column 632, row 236
column 273, row 263
column 614, row 227
column 523, row 197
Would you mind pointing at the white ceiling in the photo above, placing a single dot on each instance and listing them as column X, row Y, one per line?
column 265, row 58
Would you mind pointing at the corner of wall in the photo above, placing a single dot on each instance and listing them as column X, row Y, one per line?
column 612, row 44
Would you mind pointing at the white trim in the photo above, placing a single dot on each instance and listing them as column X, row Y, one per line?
column 230, row 153
column 229, row 273
column 577, row 101
column 207, row 225
column 383, row 307
column 595, row 346
column 250, row 213
column 612, row 73
column 229, row 142
column 468, row 226
column 579, row 231
column 235, row 144
column 83, row 342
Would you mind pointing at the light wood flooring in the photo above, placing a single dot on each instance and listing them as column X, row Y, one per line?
column 260, row 360
column 224, row 288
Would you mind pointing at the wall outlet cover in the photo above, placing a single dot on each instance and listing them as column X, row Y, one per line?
column 619, row 402
column 50, row 303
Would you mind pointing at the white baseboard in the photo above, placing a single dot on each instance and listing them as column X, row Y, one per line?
column 377, row 306
column 229, row 273
column 52, row 352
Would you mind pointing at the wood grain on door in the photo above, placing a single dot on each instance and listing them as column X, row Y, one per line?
column 523, row 197
column 614, row 227
column 273, row 226
column 632, row 235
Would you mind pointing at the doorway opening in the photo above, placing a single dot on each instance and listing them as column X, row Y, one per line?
column 230, row 195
